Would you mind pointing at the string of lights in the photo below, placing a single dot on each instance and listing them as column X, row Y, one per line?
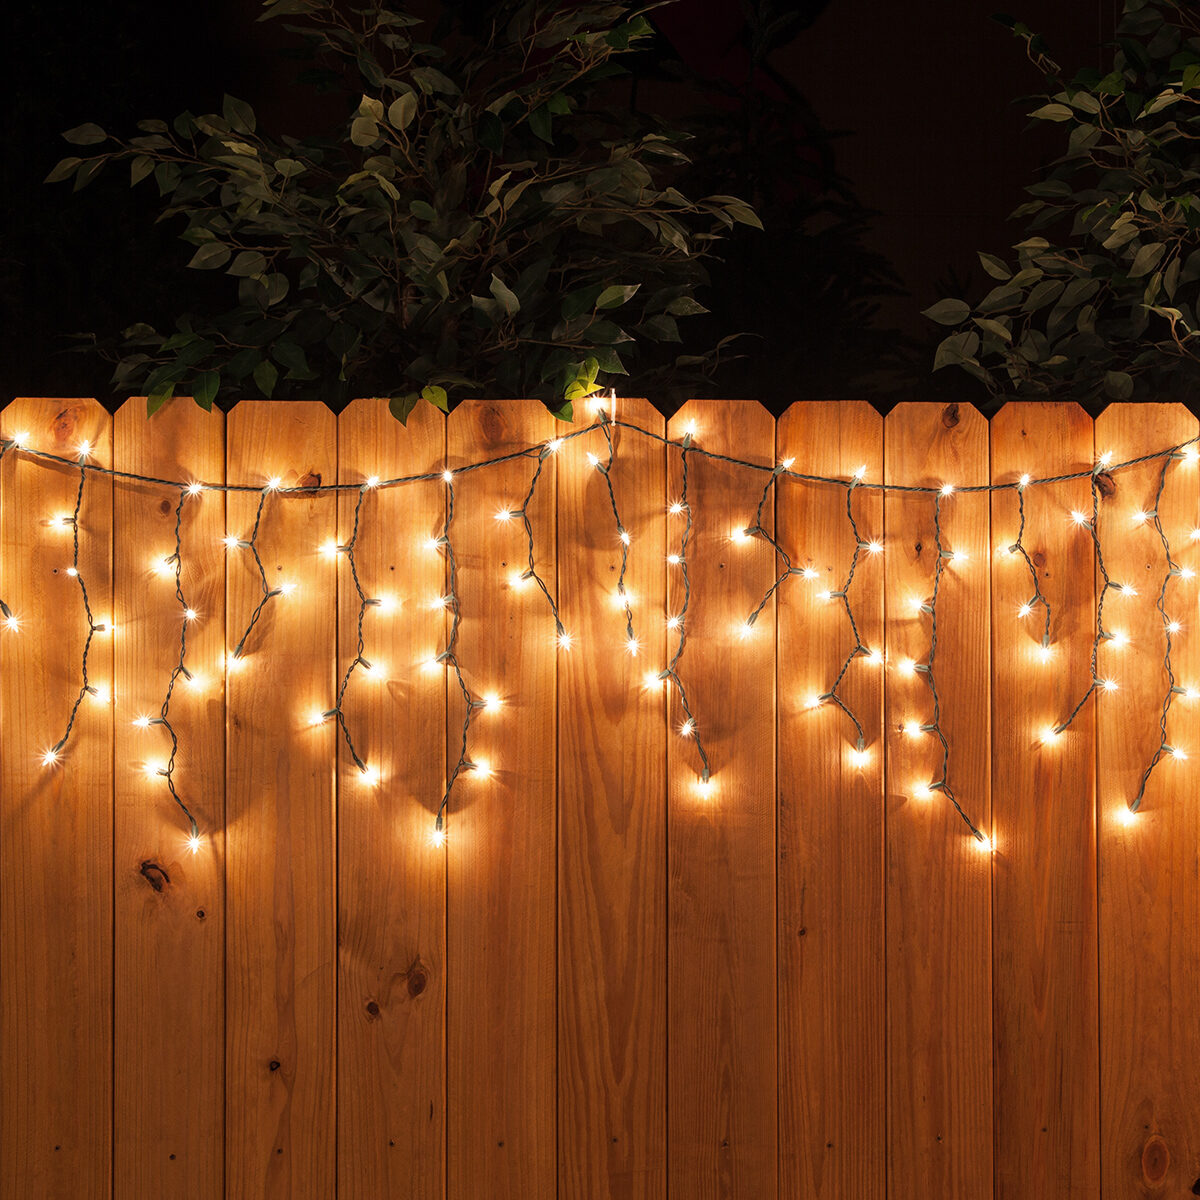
column 686, row 447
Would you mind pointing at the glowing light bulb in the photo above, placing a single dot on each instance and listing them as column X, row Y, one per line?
column 554, row 445
column 874, row 547
column 739, row 535
column 1024, row 610
column 675, row 509
column 49, row 758
column 824, row 594
column 432, row 544
column 986, row 845
column 1190, row 693
column 1177, row 752
column 916, row 603
column 387, row 603
column 907, row 666
column 1118, row 639
column 947, row 489
column 1049, row 734
column 12, row 623
column 1191, row 454
column 622, row 597
column 1195, row 535
column 1126, row 590
column 330, row 549
column 691, row 428
column 592, row 459
column 1109, row 685
column 190, row 614
column 1024, row 481
column 1186, row 573
column 959, row 556
column 274, row 483
column 20, row 440
column 874, row 656
column 85, row 448
column 862, row 470
column 704, row 787
column 1173, row 627
column 371, row 481
column 72, row 572
column 482, row 767
column 104, row 625
column 1080, row 518
column 809, row 573
column 234, row 662
column 375, row 670
column 1045, row 653
column 101, row 694
column 437, row 838
column 194, row 488
column 673, row 622
column 651, row 681
column 625, row 536
column 1140, row 517
column 193, row 843
column 430, row 664
column 922, row 791
column 438, row 602
column 287, row 587
column 912, row 728
column 673, row 559
column 370, row 775
column 490, row 702
column 1126, row 815
column 744, row 630
column 859, row 757
column 504, row 514
column 154, row 768
column 196, row 682
column 230, row 541
column 62, row 521
column 632, row 645
column 565, row 641
column 1106, row 458
column 812, row 701
column 316, row 717
column 687, row 728
column 517, row 580
column 787, row 463
column 447, row 476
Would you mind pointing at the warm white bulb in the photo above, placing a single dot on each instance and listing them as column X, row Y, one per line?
column 49, row 758
column 812, row 701
column 12, row 622
column 632, row 645
column 154, row 768
column 704, row 787
column 1080, row 518
column 387, row 603
column 432, row 544
column 916, row 603
column 20, row 440
column 1177, row 752
column 194, row 489
column 739, row 535
column 1109, row 685
column 786, row 463
column 1106, row 458
column 190, row 614
column 1191, row 693
column 1049, row 734
column 316, row 717
column 1024, row 610
column 673, row 622
column 490, row 702
column 907, row 666
column 986, row 845
column 1195, row 535
column 504, row 514
column 1173, row 627
column 193, row 843
column 1118, row 639
column 860, row 758
column 947, row 489
column 651, row 681
column 592, row 459
column 874, row 547
column 101, row 694
column 438, row 602
column 287, row 587
column 1126, row 815
column 517, row 580
column 1045, row 653
column 1186, row 573
column 959, row 556
column 809, row 573
column 691, row 428
column 922, row 791
column 234, row 662
column 72, row 572
column 744, row 630
column 824, row 594
column 673, row 559
column 862, row 470
column 376, row 670
column 230, row 541
column 372, row 481
column 554, row 445
column 482, row 767
column 437, row 838
column 675, row 509
column 273, row 483
column 1126, row 590
column 874, row 656
column 1191, row 454
column 370, row 775
column 196, row 682
column 447, row 476
column 912, row 728
column 330, row 549
column 1025, row 481
column 565, row 641
column 85, row 448
column 622, row 597
column 1140, row 517
column 687, row 728
column 625, row 536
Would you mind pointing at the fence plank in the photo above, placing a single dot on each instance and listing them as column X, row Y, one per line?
column 169, row 1071
column 831, row 996
column 612, row 819
column 722, row 1095
column 938, row 880
column 56, row 821
column 1043, row 812
column 280, row 835
column 501, row 1089
column 392, row 898
column 1149, row 870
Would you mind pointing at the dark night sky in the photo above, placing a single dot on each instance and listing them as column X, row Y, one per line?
column 922, row 96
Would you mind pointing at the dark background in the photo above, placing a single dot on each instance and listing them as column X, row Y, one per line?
column 894, row 139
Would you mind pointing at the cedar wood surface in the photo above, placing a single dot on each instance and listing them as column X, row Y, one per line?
column 810, row 983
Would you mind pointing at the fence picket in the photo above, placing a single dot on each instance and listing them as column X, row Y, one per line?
column 391, row 892
column 170, row 906
column 832, row 1085
column 1150, row 869
column 1043, row 811
column 938, row 880
column 280, row 902
column 612, row 819
column 721, row 982
column 56, row 821
column 501, row 833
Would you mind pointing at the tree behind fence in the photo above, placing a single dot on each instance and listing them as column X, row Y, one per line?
column 810, row 981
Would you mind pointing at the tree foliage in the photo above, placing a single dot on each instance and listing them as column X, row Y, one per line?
column 1103, row 298
column 481, row 220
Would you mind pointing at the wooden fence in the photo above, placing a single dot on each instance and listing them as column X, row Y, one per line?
column 811, row 982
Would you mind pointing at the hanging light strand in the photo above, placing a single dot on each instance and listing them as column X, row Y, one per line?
column 268, row 593
column 605, row 469
column 1018, row 547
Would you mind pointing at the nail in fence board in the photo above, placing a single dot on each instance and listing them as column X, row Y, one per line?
column 938, row 898
column 1150, row 870
column 391, row 878
column 722, row 1108
column 831, row 1068
column 612, row 817
column 501, row 829
column 281, row 967
column 169, row 961
column 1043, row 811
column 55, row 822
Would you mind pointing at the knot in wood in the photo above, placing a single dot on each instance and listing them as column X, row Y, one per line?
column 372, row 1009
column 950, row 416
column 154, row 875
column 1106, row 485
column 1038, row 558
column 1156, row 1159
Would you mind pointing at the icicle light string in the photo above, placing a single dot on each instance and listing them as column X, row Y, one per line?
column 686, row 446
column 605, row 468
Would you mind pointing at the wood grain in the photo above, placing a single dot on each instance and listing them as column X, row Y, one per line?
column 55, row 822
column 501, row 832
column 722, row 1064
column 1150, row 869
column 938, row 879
column 392, row 896
column 169, row 960
column 832, row 1082
column 612, row 818
column 281, row 967
column 1047, row 1124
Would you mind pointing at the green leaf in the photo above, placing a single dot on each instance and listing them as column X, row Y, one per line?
column 265, row 375
column 238, row 114
column 422, row 209
column 505, row 295
column 204, row 392
column 743, row 214
column 613, row 297
column 247, row 263
column 991, row 326
column 1146, row 259
column 210, row 256
column 1052, row 112
column 63, row 169
column 291, row 357
column 540, row 124
column 994, row 266
column 1118, row 385
column 156, row 399
column 948, row 312
column 139, row 168
column 685, row 306
column 565, row 413
column 85, row 135
column 364, row 132
column 430, row 80
column 402, row 110
column 436, row 396
column 401, row 406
